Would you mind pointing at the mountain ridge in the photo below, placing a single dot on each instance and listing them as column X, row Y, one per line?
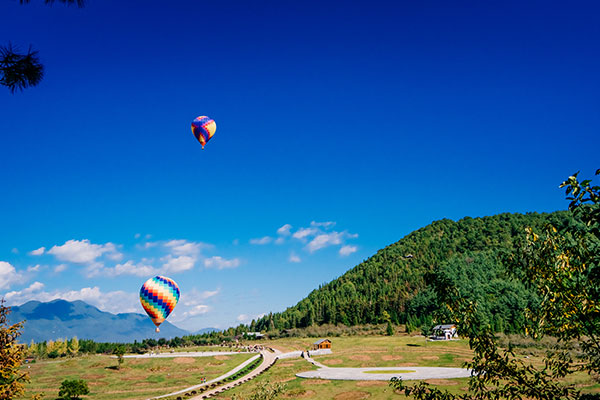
column 60, row 319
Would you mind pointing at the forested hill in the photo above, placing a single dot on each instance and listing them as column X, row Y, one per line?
column 467, row 251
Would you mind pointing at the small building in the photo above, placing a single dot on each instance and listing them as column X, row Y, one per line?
column 444, row 332
column 254, row 335
column 322, row 344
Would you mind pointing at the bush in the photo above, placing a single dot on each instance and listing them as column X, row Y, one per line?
column 72, row 389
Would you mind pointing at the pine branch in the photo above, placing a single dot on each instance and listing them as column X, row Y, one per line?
column 19, row 71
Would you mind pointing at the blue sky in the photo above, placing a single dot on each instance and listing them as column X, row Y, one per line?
column 351, row 124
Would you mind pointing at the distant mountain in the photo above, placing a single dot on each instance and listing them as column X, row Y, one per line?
column 64, row 319
column 205, row 330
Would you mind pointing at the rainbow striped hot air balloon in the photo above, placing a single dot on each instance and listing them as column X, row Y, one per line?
column 203, row 129
column 159, row 296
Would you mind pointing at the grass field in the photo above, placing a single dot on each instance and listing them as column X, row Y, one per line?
column 143, row 378
column 371, row 351
column 139, row 378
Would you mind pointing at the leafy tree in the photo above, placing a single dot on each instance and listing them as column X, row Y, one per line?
column 20, row 70
column 57, row 348
column 61, row 347
column 32, row 349
column 72, row 389
column 119, row 351
column 73, row 347
column 390, row 329
column 561, row 264
column 12, row 379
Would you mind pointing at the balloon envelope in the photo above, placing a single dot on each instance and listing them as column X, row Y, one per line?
column 203, row 129
column 159, row 296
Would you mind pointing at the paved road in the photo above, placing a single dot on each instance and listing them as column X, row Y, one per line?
column 359, row 374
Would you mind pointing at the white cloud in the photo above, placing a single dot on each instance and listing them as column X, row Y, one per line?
column 147, row 245
column 280, row 240
column 130, row 268
column 284, row 230
column 83, row 252
column 11, row 296
column 8, row 275
column 194, row 297
column 294, row 258
column 178, row 264
column 115, row 302
column 195, row 311
column 209, row 293
column 243, row 318
column 15, row 250
column 324, row 240
column 326, row 224
column 347, row 250
column 60, row 268
column 34, row 268
column 115, row 256
column 246, row 318
column 137, row 235
column 319, row 235
column 37, row 252
column 262, row 240
column 221, row 263
column 182, row 247
column 303, row 233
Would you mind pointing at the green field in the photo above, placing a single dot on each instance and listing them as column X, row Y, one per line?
column 371, row 351
column 137, row 378
column 144, row 378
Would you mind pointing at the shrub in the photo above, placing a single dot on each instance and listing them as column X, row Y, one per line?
column 72, row 389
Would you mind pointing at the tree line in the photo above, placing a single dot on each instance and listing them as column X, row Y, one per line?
column 398, row 280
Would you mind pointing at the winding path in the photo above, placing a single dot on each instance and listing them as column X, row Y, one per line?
column 268, row 360
column 208, row 383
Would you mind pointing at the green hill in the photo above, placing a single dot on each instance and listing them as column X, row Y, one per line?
column 468, row 252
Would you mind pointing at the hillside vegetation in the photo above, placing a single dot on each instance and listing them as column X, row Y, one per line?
column 396, row 280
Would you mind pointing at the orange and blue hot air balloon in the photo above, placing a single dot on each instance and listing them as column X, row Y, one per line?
column 203, row 129
column 159, row 296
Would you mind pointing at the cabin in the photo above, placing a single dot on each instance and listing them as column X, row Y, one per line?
column 322, row 344
column 255, row 335
column 444, row 332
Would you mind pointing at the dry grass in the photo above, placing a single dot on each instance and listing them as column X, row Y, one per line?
column 137, row 379
column 397, row 351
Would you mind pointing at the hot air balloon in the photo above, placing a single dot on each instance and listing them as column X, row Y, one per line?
column 203, row 129
column 159, row 296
